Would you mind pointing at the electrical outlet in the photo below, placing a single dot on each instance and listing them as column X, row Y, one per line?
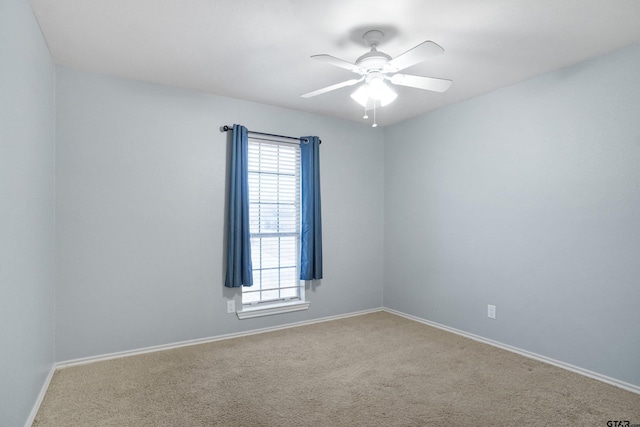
column 231, row 306
column 491, row 311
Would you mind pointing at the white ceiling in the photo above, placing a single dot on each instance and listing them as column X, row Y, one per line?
column 259, row 50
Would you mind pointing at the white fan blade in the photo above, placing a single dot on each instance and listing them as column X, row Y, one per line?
column 339, row 63
column 413, row 56
column 332, row 87
column 426, row 83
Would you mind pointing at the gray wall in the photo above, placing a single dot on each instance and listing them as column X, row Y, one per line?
column 27, row 158
column 140, row 213
column 527, row 198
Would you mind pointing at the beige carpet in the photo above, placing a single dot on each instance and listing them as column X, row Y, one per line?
column 371, row 370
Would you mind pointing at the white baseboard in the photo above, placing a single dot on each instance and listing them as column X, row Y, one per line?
column 43, row 391
column 587, row 373
column 117, row 355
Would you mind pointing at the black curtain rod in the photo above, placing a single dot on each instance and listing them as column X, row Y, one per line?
column 226, row 128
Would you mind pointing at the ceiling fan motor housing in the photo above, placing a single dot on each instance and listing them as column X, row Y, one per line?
column 373, row 60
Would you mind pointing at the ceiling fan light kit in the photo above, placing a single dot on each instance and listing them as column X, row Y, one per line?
column 373, row 90
column 375, row 67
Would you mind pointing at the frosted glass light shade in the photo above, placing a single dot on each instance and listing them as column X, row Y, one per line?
column 384, row 94
column 374, row 92
column 361, row 95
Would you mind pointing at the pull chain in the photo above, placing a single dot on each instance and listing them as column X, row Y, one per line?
column 374, row 115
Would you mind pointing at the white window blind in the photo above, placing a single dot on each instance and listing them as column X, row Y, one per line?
column 274, row 216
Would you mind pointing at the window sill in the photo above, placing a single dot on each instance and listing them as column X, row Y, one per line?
column 269, row 309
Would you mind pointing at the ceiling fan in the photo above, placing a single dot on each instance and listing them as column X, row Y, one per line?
column 374, row 67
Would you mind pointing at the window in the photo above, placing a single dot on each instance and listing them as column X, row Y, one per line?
column 274, row 217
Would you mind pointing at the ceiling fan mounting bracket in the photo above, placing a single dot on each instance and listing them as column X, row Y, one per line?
column 373, row 38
